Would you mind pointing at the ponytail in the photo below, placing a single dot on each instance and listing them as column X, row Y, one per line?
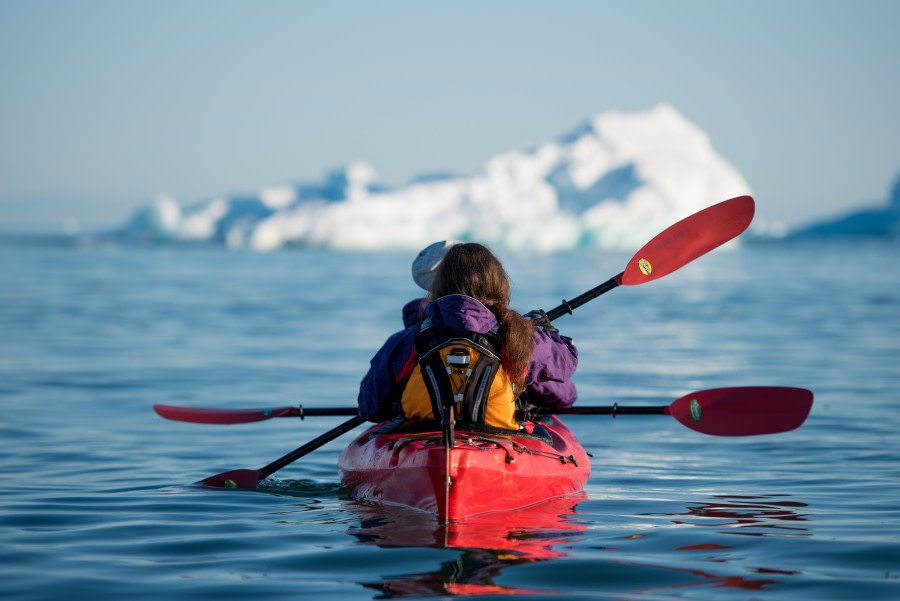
column 518, row 341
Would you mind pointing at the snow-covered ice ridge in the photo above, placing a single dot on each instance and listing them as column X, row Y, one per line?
column 613, row 183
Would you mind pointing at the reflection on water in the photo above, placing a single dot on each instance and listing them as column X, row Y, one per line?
column 769, row 515
column 489, row 544
column 750, row 516
column 706, row 578
column 473, row 573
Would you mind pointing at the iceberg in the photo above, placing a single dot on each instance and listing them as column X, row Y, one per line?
column 873, row 222
column 613, row 182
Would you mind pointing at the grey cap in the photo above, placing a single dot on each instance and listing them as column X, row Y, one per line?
column 426, row 263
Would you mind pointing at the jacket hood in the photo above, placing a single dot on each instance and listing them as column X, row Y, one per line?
column 461, row 313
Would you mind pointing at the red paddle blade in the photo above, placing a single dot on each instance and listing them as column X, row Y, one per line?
column 199, row 415
column 693, row 236
column 235, row 479
column 743, row 411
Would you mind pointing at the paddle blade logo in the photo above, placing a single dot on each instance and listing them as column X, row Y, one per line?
column 645, row 267
column 696, row 412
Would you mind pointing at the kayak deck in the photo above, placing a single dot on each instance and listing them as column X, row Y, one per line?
column 405, row 463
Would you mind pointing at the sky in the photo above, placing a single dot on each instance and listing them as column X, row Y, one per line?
column 105, row 105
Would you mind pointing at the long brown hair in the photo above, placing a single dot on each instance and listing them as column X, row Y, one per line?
column 473, row 270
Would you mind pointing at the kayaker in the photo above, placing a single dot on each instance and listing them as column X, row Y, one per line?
column 471, row 295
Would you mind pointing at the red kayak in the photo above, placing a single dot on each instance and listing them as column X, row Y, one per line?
column 406, row 463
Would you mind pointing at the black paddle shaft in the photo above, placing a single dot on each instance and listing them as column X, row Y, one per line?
column 567, row 307
column 612, row 410
column 325, row 411
column 312, row 445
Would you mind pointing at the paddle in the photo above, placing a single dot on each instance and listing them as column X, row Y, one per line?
column 251, row 478
column 674, row 247
column 200, row 415
column 735, row 411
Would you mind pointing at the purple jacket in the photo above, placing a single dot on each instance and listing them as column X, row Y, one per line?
column 413, row 311
column 553, row 360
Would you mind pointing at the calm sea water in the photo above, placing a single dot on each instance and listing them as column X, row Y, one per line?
column 96, row 499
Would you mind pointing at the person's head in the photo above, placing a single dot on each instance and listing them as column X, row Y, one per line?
column 473, row 270
column 428, row 260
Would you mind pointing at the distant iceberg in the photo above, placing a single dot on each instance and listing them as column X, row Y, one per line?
column 613, row 182
column 880, row 222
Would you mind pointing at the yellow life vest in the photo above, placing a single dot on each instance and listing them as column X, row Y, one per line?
column 465, row 370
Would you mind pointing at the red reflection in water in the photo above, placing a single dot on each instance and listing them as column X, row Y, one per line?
column 705, row 547
column 490, row 543
column 751, row 516
column 709, row 579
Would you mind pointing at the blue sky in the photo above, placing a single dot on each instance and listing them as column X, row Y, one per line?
column 106, row 104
